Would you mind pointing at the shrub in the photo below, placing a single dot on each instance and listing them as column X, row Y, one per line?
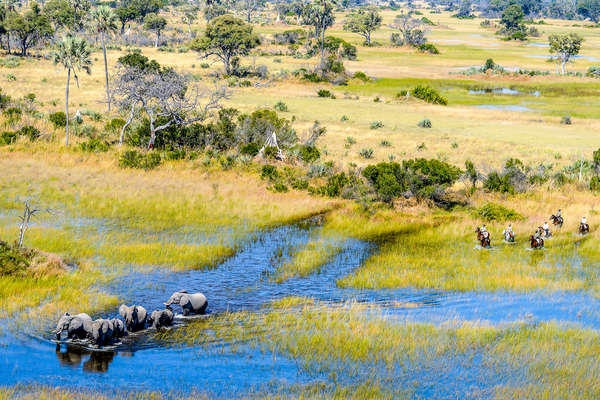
column 366, row 153
column 386, row 143
column 280, row 187
column 349, row 142
column 425, row 123
column 334, row 186
column 424, row 179
column 31, row 132
column 309, row 154
column 133, row 159
column 324, row 93
column 13, row 261
column 595, row 184
column 13, row 114
column 344, row 118
column 361, row 76
column 402, row 93
column 486, row 23
column 566, row 120
column 176, row 154
column 250, row 149
column 270, row 152
column 594, row 71
column 58, row 119
column 376, row 125
column 114, row 125
column 428, row 48
column 94, row 116
column 489, row 64
column 8, row 137
column 497, row 212
column 94, row 146
column 497, row 183
column 204, row 65
column 281, row 106
column 269, row 172
column 427, row 21
column 396, row 39
column 428, row 94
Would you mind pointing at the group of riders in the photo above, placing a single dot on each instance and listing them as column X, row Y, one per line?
column 537, row 239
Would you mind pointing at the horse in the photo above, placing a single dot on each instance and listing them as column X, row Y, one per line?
column 557, row 220
column 584, row 228
column 509, row 236
column 485, row 241
column 479, row 234
column 545, row 233
column 536, row 243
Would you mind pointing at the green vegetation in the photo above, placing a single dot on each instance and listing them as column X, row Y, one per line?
column 308, row 259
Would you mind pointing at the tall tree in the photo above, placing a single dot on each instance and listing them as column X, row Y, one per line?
column 364, row 22
column 164, row 96
column 564, row 46
column 190, row 15
column 103, row 21
column 248, row 7
column 30, row 28
column 156, row 24
column 320, row 16
column 227, row 38
column 125, row 15
column 512, row 18
column 73, row 54
column 60, row 13
column 589, row 9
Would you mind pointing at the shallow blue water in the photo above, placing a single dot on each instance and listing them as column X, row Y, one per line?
column 244, row 282
column 504, row 107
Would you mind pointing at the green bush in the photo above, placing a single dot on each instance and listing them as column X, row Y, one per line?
column 497, row 183
column 424, row 179
column 58, row 119
column 31, row 132
column 428, row 48
column 250, row 149
column 8, row 137
column 270, row 152
column 13, row 261
column 366, row 153
column 94, row 146
column 134, row 159
column 595, row 184
column 361, row 76
column 428, row 94
column 13, row 114
column 334, row 186
column 402, row 93
column 425, row 123
column 281, row 106
column 324, row 93
column 376, row 125
column 280, row 187
column 176, row 154
column 308, row 154
column 114, row 125
column 269, row 172
column 497, row 212
column 94, row 116
column 566, row 120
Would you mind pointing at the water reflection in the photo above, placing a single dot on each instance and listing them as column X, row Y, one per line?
column 73, row 356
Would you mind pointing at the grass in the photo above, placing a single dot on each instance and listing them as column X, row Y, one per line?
column 308, row 259
column 358, row 340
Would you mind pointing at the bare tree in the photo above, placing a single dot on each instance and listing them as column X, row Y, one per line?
column 25, row 219
column 164, row 95
column 413, row 31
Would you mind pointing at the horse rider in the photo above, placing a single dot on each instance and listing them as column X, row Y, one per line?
column 583, row 221
column 538, row 235
column 508, row 230
column 546, row 228
column 483, row 229
column 559, row 214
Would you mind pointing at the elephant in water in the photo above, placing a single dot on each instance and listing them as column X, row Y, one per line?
column 102, row 332
column 77, row 326
column 161, row 318
column 118, row 328
column 194, row 303
column 135, row 317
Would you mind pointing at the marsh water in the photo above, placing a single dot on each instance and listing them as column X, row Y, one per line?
column 245, row 282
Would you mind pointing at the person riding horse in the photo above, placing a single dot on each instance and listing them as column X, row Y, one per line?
column 508, row 233
column 546, row 229
column 557, row 219
column 583, row 226
column 485, row 238
column 536, row 239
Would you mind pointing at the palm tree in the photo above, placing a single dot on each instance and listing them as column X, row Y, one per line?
column 103, row 20
column 74, row 54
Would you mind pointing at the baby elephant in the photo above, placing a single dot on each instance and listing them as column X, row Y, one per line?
column 77, row 326
column 102, row 332
column 161, row 318
column 194, row 303
column 135, row 317
column 118, row 328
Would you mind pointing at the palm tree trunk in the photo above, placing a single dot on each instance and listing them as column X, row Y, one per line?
column 105, row 70
column 67, row 104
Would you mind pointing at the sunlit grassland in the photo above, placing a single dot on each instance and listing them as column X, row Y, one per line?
column 446, row 256
column 359, row 341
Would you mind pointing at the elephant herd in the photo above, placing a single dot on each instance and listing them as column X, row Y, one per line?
column 102, row 332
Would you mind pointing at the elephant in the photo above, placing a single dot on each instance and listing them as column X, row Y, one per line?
column 102, row 332
column 194, row 303
column 118, row 328
column 77, row 326
column 161, row 318
column 135, row 317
